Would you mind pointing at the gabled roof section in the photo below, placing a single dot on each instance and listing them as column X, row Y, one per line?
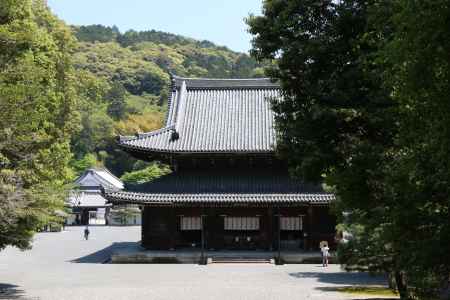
column 214, row 115
column 87, row 199
column 99, row 178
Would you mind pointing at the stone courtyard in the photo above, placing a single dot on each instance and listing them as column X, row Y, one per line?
column 64, row 266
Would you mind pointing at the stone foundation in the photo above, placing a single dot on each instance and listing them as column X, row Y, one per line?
column 138, row 255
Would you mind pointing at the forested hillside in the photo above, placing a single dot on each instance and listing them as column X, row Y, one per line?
column 125, row 79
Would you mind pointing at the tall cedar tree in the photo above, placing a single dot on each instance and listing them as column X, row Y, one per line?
column 358, row 113
column 37, row 103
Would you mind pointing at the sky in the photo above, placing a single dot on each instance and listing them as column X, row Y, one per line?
column 219, row 21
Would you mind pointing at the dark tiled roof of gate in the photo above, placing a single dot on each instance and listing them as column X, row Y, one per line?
column 257, row 187
column 214, row 115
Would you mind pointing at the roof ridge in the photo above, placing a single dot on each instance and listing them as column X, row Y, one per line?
column 95, row 172
column 224, row 79
column 181, row 107
column 170, row 100
column 110, row 173
column 102, row 180
column 224, row 83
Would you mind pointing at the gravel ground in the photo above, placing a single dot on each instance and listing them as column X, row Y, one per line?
column 64, row 266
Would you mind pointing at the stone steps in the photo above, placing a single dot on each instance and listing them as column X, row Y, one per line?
column 241, row 260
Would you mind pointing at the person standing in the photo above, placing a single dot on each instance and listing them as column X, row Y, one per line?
column 325, row 254
column 86, row 233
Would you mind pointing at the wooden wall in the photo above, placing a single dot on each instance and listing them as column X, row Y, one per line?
column 160, row 227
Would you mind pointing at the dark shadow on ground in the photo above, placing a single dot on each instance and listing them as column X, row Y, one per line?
column 11, row 292
column 342, row 279
column 349, row 278
column 104, row 255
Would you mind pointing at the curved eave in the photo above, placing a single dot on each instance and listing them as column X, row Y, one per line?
column 219, row 199
column 168, row 151
column 148, row 151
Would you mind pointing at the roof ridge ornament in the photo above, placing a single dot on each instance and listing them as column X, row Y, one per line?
column 181, row 107
column 174, row 135
column 173, row 80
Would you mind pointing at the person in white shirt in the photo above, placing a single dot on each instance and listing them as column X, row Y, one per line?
column 325, row 253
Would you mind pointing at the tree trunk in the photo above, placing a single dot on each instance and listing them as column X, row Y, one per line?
column 401, row 285
column 391, row 280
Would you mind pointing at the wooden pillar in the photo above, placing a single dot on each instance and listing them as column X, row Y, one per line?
column 213, row 234
column 269, row 219
column 279, row 236
column 310, row 228
column 172, row 228
column 203, row 225
column 143, row 225
column 303, row 237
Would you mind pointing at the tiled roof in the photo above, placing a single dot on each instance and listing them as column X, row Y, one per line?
column 98, row 178
column 214, row 115
column 219, row 187
column 87, row 199
column 150, row 198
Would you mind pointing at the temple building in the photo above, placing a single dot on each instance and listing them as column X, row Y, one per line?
column 88, row 206
column 227, row 189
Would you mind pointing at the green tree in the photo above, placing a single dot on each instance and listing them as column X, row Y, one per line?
column 96, row 33
column 116, row 98
column 81, row 165
column 96, row 134
column 365, row 86
column 418, row 73
column 37, row 100
column 146, row 174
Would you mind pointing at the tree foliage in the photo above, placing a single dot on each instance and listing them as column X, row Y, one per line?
column 116, row 98
column 365, row 87
column 149, row 173
column 37, row 101
column 96, row 33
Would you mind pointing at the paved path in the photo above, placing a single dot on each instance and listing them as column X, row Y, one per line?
column 62, row 266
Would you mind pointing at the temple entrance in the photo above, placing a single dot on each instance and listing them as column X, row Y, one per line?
column 291, row 233
column 190, row 231
column 292, row 240
column 241, row 233
column 241, row 240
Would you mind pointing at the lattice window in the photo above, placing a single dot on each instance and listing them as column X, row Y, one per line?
column 241, row 223
column 190, row 223
column 291, row 223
